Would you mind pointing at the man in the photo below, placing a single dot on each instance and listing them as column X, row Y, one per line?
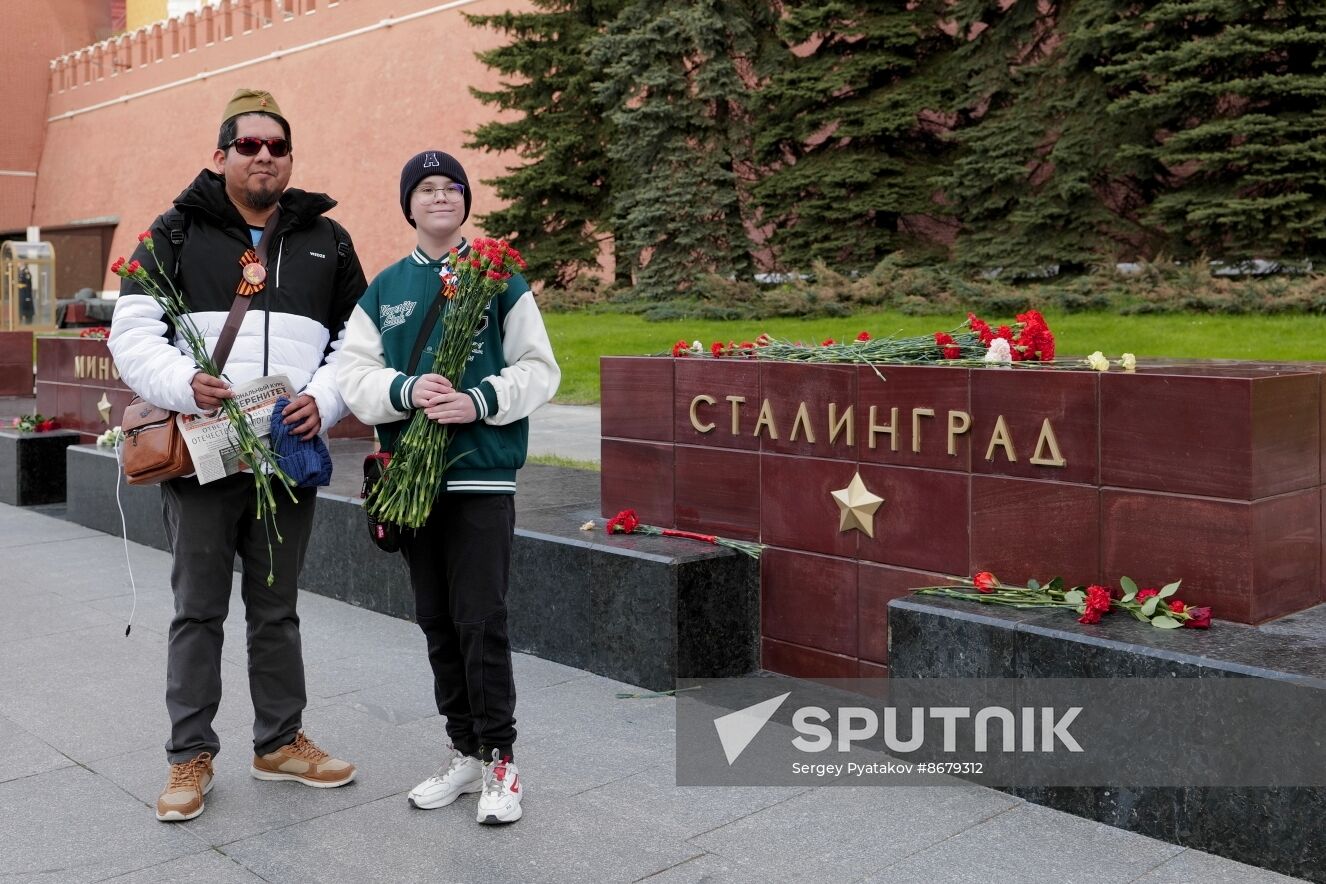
column 293, row 327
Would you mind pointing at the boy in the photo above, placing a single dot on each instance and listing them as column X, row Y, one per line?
column 460, row 559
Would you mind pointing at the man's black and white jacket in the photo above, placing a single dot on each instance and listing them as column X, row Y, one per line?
column 294, row 326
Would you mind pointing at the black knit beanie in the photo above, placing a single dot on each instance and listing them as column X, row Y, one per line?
column 431, row 162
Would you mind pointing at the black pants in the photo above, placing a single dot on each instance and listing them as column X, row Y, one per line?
column 207, row 526
column 460, row 561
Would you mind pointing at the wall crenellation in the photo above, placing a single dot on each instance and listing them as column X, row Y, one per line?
column 175, row 38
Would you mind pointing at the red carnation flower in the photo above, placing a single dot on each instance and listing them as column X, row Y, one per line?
column 681, row 348
column 1144, row 594
column 985, row 581
column 716, row 348
column 1177, row 606
column 625, row 522
column 1089, row 616
column 863, row 336
column 827, row 341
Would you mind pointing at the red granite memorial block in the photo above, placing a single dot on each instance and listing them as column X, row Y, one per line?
column 871, row 670
column 809, row 600
column 636, row 398
column 805, row 662
column 1243, row 433
column 718, row 491
column 797, row 510
column 932, row 417
column 922, row 522
column 16, row 363
column 1023, row 529
column 876, row 586
column 731, row 402
column 805, row 409
column 1048, row 419
column 1250, row 561
column 638, row 476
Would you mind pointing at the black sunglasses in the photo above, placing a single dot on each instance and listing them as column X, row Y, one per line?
column 249, row 146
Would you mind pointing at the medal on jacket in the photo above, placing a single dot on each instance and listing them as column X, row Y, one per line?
column 449, row 280
column 253, row 276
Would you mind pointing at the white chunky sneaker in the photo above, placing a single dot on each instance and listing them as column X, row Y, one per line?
column 459, row 775
column 500, row 800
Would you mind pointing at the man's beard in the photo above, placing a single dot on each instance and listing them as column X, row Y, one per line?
column 261, row 199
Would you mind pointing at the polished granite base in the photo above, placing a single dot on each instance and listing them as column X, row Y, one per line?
column 32, row 466
column 94, row 481
column 644, row 610
column 1276, row 828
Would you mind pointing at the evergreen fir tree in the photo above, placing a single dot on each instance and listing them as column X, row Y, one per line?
column 558, row 201
column 673, row 82
column 1037, row 181
column 852, row 131
column 1232, row 92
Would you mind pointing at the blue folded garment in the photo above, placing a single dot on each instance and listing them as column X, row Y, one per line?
column 309, row 463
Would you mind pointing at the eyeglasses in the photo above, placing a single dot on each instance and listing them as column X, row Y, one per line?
column 452, row 191
column 249, row 146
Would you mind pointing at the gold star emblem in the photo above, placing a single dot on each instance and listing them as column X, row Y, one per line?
column 103, row 408
column 856, row 506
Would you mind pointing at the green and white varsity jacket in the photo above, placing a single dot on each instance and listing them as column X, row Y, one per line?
column 511, row 371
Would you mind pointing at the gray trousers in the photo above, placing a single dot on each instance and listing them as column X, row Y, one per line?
column 207, row 526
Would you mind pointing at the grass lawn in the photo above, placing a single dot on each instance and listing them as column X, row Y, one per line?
column 579, row 339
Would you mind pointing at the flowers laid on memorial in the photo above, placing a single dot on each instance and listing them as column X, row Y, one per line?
column 626, row 522
column 1028, row 339
column 1157, row 607
column 112, row 437
column 253, row 448
column 96, row 333
column 35, row 423
column 405, row 494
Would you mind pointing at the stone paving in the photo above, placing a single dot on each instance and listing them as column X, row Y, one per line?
column 82, row 723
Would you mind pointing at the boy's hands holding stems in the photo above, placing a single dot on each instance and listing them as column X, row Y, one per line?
column 441, row 401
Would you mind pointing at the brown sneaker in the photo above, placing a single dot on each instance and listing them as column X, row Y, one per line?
column 189, row 781
column 305, row 763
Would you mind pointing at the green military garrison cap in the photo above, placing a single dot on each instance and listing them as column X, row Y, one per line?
column 251, row 101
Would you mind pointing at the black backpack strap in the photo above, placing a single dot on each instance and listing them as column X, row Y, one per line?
column 343, row 247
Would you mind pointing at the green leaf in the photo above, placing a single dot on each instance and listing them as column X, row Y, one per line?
column 1033, row 584
column 1165, row 621
column 1128, row 586
column 1075, row 597
column 1128, row 597
column 1170, row 589
column 1149, row 606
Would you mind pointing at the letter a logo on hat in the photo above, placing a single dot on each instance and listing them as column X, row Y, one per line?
column 431, row 160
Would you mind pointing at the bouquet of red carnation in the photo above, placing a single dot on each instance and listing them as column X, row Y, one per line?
column 405, row 493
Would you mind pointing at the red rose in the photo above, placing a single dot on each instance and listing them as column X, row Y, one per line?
column 1144, row 594
column 1198, row 618
column 985, row 581
column 1177, row 606
column 863, row 336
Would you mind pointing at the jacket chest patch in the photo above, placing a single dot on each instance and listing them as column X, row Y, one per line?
column 392, row 315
